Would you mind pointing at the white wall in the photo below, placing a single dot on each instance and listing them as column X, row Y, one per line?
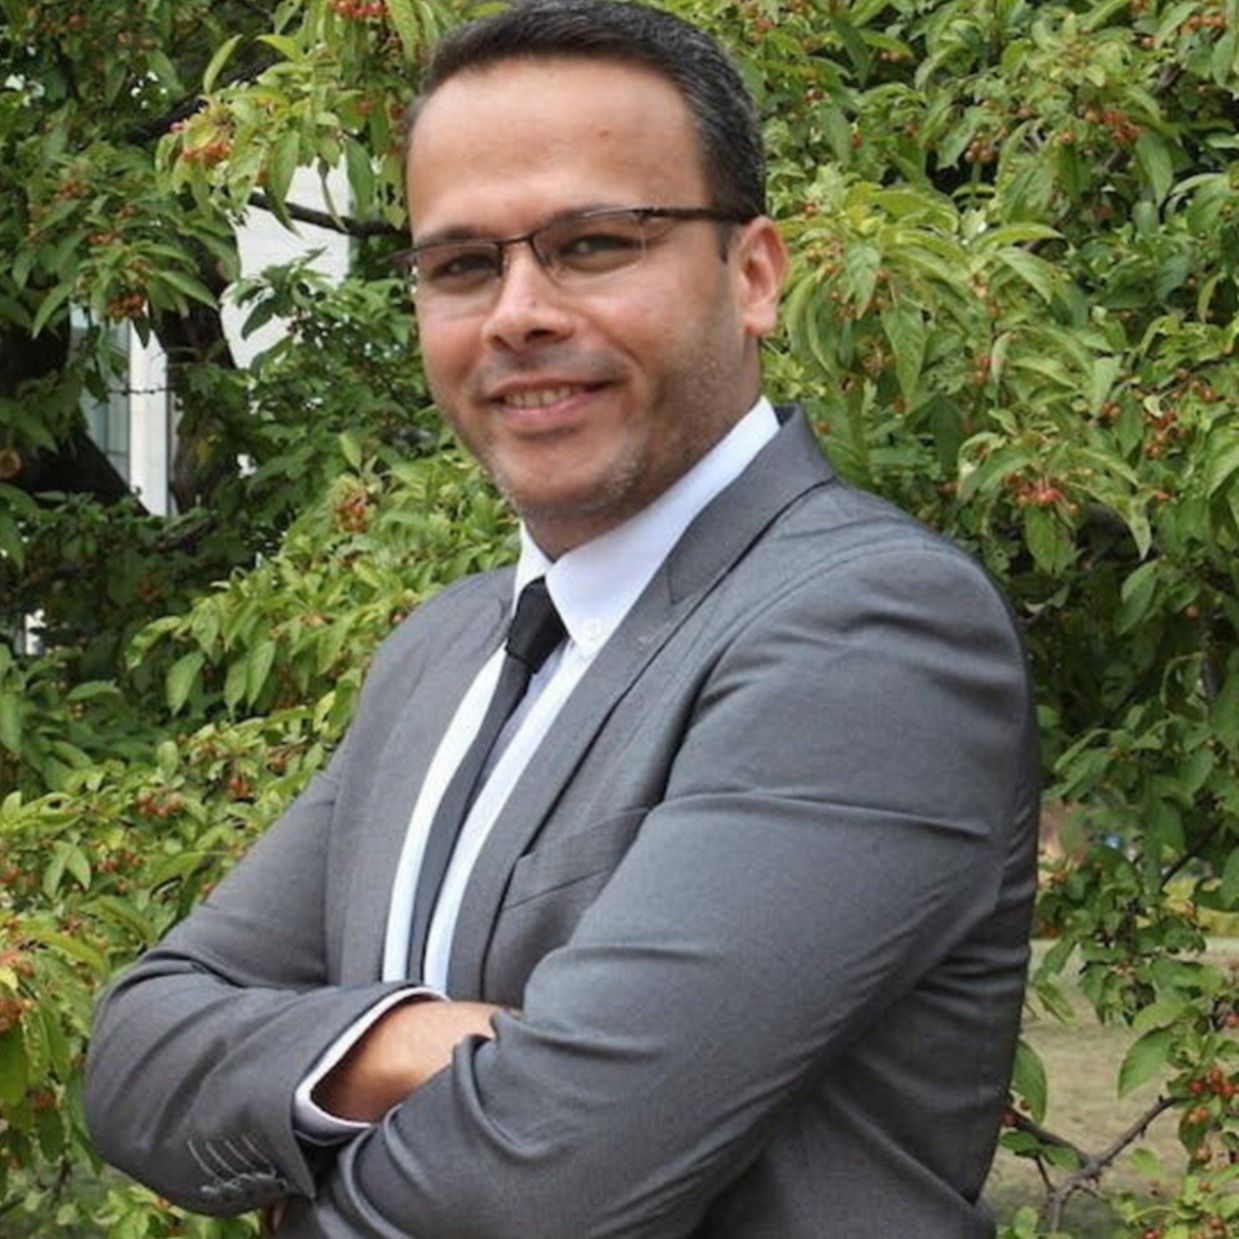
column 265, row 242
column 262, row 242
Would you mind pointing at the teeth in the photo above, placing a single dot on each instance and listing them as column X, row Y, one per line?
column 539, row 399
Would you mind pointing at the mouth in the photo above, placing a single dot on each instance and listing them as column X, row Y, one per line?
column 542, row 397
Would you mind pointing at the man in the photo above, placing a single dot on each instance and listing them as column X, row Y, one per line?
column 732, row 937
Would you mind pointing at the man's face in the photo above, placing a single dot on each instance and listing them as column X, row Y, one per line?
column 585, row 402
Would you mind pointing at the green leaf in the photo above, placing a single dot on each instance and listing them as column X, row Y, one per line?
column 1022, row 1143
column 217, row 62
column 1028, row 1080
column 57, row 1043
column 123, row 913
column 177, row 866
column 1146, row 1162
column 350, row 447
column 181, row 678
column 54, row 874
column 287, row 47
column 861, row 263
column 11, row 722
column 1221, row 468
column 360, row 175
column 78, row 865
column 260, row 660
column 1065, row 1159
column 1145, row 1059
column 89, row 690
column 1105, row 371
column 167, row 757
column 54, row 301
column 838, row 132
column 1159, row 1014
column 165, row 71
column 1101, row 13
column 234, row 684
column 1154, row 158
column 260, row 315
column 1229, row 892
column 1048, row 540
column 1137, row 595
column 282, row 161
column 905, row 329
column 188, row 284
column 1136, row 518
column 404, row 19
column 73, row 949
column 853, row 45
column 1035, row 272
column 12, row 1066
column 1173, row 18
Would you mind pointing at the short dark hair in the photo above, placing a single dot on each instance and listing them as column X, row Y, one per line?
column 728, row 127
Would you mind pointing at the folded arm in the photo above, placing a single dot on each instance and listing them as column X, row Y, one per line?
column 838, row 817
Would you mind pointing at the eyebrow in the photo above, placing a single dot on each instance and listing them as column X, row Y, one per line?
column 467, row 232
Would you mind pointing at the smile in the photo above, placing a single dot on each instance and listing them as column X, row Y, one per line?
column 540, row 398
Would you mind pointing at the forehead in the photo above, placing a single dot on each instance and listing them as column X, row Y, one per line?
column 524, row 138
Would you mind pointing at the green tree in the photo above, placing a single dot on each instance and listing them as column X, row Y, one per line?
column 1013, row 310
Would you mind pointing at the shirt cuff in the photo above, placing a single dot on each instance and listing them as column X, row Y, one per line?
column 310, row 1120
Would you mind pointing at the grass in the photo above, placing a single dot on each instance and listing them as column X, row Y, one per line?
column 1082, row 1062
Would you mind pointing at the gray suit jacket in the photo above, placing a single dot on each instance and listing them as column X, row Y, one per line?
column 762, row 900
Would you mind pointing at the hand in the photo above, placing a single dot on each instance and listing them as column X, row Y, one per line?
column 398, row 1053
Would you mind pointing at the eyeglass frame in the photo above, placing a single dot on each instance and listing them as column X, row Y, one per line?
column 406, row 260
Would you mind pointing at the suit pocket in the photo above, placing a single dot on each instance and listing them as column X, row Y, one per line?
column 549, row 891
column 569, row 859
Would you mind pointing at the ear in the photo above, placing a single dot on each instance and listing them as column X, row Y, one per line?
column 761, row 267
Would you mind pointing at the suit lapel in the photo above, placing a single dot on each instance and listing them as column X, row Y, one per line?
column 785, row 469
column 405, row 752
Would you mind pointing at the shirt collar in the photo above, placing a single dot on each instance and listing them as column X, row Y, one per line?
column 595, row 585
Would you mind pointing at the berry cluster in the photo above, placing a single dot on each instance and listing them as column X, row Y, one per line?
column 1122, row 128
column 1166, row 429
column 11, row 1011
column 127, row 305
column 984, row 149
column 353, row 513
column 360, row 10
column 1203, row 21
column 158, row 804
column 239, row 787
column 1214, row 1084
column 1041, row 492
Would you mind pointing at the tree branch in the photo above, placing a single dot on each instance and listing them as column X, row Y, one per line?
column 1021, row 1122
column 321, row 219
column 1204, row 841
column 1086, row 1178
column 187, row 107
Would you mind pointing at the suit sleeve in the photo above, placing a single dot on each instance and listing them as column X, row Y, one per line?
column 838, row 815
column 198, row 1048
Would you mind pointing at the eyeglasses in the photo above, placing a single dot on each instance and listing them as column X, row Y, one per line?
column 571, row 249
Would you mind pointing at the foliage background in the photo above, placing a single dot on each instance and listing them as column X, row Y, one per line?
column 1013, row 311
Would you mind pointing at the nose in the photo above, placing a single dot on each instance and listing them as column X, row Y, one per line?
column 529, row 308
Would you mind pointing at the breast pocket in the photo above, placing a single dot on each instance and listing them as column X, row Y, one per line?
column 563, row 862
column 548, row 893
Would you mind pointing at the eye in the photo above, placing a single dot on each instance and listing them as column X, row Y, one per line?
column 454, row 268
column 598, row 246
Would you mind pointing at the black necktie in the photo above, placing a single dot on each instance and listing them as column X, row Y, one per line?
column 535, row 631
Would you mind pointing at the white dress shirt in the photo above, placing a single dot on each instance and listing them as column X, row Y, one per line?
column 593, row 586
